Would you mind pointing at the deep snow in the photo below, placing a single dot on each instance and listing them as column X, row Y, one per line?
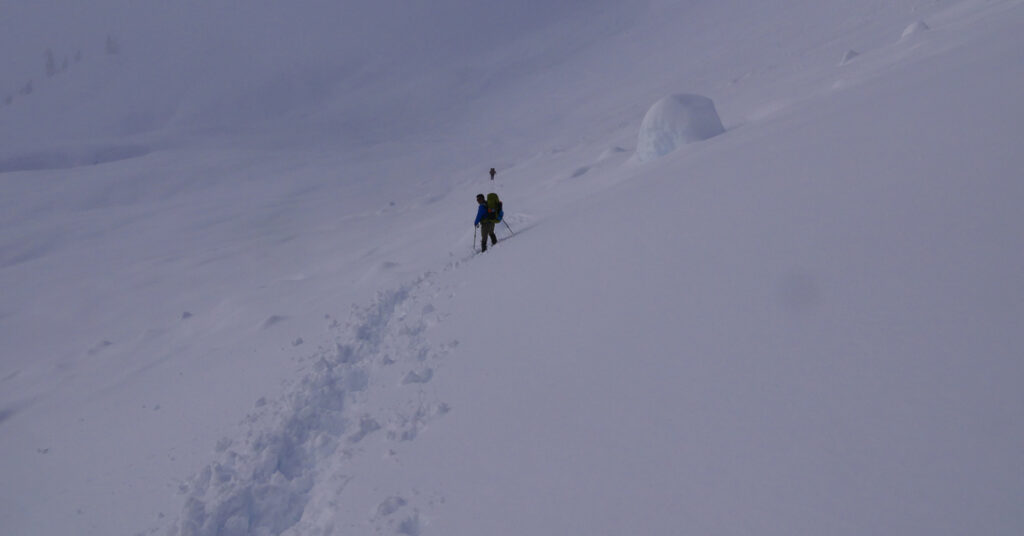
column 240, row 297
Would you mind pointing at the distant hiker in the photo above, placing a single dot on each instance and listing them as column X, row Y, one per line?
column 488, row 213
column 492, row 173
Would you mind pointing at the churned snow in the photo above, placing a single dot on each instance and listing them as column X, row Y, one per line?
column 240, row 297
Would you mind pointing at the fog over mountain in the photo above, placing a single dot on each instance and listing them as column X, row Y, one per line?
column 226, row 64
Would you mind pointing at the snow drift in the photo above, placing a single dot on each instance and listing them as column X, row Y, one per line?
column 675, row 121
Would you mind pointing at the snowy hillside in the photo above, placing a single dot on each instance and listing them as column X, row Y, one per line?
column 241, row 294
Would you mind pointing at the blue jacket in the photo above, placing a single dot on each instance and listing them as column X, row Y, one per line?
column 481, row 213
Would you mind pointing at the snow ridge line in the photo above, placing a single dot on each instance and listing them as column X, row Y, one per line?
column 263, row 485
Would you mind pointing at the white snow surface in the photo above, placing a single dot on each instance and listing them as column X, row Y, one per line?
column 239, row 294
column 675, row 121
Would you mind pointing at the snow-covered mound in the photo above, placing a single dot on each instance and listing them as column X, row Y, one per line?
column 914, row 30
column 675, row 121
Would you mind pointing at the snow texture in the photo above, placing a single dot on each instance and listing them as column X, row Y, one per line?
column 675, row 121
column 264, row 484
column 240, row 294
column 915, row 29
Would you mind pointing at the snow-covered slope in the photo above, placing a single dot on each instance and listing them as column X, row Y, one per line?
column 248, row 304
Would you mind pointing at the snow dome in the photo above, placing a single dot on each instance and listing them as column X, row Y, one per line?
column 914, row 29
column 675, row 121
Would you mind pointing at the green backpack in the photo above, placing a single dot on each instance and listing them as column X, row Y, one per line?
column 493, row 207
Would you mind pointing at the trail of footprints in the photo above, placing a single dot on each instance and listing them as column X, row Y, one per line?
column 368, row 391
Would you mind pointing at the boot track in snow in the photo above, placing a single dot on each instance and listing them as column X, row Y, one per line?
column 371, row 386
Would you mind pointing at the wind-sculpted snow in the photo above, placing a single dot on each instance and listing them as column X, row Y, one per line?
column 66, row 158
column 263, row 484
column 675, row 121
column 914, row 30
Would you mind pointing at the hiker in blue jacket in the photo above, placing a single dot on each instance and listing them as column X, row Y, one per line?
column 487, row 215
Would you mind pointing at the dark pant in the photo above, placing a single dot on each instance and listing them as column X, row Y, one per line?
column 487, row 229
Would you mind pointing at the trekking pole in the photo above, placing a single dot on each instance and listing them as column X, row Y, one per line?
column 507, row 227
column 474, row 239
